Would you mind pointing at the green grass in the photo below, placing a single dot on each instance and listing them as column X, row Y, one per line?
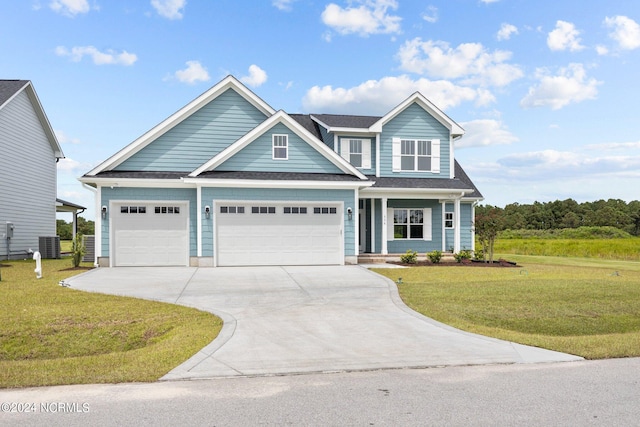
column 587, row 307
column 65, row 245
column 621, row 249
column 53, row 335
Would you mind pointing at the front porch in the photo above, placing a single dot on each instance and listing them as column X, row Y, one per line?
column 383, row 259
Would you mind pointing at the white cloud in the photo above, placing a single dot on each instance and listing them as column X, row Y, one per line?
column 564, row 37
column 611, row 146
column 431, row 15
column 380, row 96
column 283, row 4
column 370, row 17
column 570, row 85
column 485, row 132
column 506, row 31
column 602, row 50
column 489, row 1
column 69, row 165
column 469, row 60
column 626, row 32
column 170, row 9
column 69, row 7
column 109, row 57
column 257, row 76
column 64, row 139
column 193, row 74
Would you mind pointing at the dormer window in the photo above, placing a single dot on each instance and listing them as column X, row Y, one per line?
column 280, row 147
column 356, row 151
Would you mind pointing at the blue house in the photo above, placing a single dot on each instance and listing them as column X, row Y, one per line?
column 227, row 181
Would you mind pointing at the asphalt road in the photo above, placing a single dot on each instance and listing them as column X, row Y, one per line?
column 603, row 393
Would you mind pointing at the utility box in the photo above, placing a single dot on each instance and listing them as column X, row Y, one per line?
column 9, row 232
column 49, row 247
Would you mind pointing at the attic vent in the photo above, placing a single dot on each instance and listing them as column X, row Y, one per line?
column 49, row 247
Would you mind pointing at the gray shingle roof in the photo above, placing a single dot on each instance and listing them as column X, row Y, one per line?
column 307, row 123
column 347, row 121
column 8, row 88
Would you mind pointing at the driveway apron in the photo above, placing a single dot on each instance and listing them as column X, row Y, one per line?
column 286, row 320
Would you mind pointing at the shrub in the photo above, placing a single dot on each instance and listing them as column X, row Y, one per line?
column 478, row 255
column 410, row 257
column 434, row 256
column 77, row 249
column 462, row 255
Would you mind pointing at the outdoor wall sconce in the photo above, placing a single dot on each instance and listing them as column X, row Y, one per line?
column 349, row 213
column 207, row 211
column 104, row 212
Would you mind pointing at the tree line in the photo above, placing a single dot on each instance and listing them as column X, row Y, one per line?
column 562, row 214
column 64, row 229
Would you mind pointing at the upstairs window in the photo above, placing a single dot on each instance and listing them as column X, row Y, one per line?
column 356, row 151
column 448, row 220
column 280, row 147
column 416, row 155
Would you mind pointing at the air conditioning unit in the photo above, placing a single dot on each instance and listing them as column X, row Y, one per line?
column 90, row 249
column 49, row 247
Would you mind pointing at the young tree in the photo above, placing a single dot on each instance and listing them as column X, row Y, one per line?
column 488, row 223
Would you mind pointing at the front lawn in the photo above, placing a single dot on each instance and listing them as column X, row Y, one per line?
column 590, row 309
column 52, row 335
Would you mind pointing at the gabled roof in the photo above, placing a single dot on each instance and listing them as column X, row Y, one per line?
column 9, row 89
column 284, row 118
column 227, row 83
column 418, row 98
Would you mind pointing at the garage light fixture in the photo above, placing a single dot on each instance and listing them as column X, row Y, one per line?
column 349, row 213
column 104, row 212
column 207, row 211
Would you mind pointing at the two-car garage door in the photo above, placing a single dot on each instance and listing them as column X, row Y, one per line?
column 278, row 233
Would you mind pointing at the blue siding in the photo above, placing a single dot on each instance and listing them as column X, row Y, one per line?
column 126, row 193
column 209, row 195
column 257, row 156
column 466, row 226
column 414, row 122
column 199, row 137
column 327, row 137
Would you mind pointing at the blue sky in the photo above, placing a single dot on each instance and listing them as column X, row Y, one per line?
column 546, row 91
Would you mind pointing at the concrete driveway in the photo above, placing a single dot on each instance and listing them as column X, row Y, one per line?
column 284, row 320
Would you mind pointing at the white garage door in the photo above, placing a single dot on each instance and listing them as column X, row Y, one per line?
column 278, row 234
column 150, row 234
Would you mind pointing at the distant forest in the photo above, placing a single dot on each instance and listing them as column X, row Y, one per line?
column 566, row 214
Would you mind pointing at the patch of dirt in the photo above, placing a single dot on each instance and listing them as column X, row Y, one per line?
column 80, row 268
column 5, row 265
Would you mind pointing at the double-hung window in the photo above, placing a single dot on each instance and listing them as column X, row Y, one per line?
column 356, row 151
column 448, row 220
column 280, row 147
column 408, row 224
column 416, row 155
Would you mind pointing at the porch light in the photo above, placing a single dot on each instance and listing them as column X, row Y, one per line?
column 349, row 213
column 104, row 212
column 207, row 211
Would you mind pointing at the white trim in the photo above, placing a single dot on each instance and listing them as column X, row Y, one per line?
column 258, row 183
column 444, row 229
column 355, row 217
column 98, row 223
column 295, row 127
column 373, row 225
column 228, row 82
column 377, row 155
column 454, row 128
column 413, row 193
column 199, row 220
column 456, row 224
column 383, row 249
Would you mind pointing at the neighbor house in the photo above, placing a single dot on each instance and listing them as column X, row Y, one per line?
column 29, row 151
column 227, row 180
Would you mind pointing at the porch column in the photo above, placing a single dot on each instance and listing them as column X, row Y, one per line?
column 384, row 250
column 373, row 226
column 74, row 226
column 456, row 226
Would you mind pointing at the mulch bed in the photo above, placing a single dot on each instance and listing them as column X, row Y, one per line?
column 77, row 268
column 466, row 263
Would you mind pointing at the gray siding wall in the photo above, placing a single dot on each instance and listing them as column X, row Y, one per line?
column 414, row 122
column 27, row 177
column 257, row 156
column 126, row 193
column 199, row 137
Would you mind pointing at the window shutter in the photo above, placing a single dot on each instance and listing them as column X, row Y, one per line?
column 435, row 155
column 366, row 154
column 396, row 151
column 344, row 149
column 390, row 224
column 426, row 225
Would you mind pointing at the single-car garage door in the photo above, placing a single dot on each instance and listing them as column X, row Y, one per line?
column 150, row 234
column 278, row 234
